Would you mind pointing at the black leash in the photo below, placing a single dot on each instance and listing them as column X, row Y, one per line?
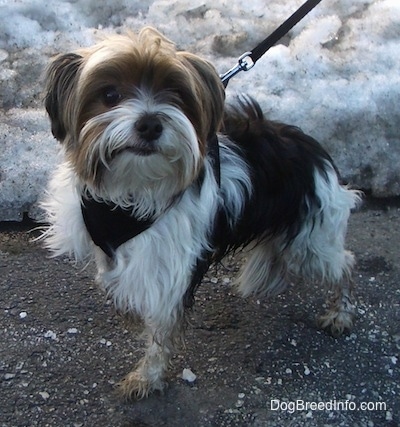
column 248, row 59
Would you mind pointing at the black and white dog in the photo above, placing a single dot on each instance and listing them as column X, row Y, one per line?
column 161, row 179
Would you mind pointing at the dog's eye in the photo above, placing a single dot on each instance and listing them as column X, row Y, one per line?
column 111, row 96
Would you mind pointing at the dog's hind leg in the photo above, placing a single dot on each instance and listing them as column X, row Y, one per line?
column 341, row 309
column 318, row 252
column 322, row 257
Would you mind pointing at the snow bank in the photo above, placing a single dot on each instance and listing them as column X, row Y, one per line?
column 336, row 75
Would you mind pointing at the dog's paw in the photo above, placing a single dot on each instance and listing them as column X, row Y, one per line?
column 136, row 386
column 336, row 321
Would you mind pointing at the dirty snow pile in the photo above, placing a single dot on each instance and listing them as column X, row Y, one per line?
column 336, row 75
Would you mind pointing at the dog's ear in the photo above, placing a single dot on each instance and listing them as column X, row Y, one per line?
column 61, row 79
column 212, row 93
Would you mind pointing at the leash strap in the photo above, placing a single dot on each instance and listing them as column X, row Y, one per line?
column 248, row 59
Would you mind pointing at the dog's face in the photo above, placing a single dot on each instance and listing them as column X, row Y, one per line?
column 133, row 113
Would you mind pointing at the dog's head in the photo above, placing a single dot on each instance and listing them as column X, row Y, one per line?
column 133, row 113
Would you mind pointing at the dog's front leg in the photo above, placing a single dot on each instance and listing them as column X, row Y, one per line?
column 149, row 374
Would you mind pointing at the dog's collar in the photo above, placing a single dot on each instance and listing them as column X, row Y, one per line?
column 110, row 225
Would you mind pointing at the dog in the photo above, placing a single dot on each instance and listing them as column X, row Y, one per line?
column 163, row 177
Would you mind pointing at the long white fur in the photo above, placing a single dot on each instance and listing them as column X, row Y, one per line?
column 67, row 232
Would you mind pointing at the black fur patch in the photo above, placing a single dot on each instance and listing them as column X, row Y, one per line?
column 282, row 161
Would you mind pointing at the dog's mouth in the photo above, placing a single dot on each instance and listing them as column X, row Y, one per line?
column 141, row 151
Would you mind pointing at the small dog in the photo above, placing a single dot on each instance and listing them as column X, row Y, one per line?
column 161, row 179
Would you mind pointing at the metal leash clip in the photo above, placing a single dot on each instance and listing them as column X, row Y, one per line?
column 245, row 63
column 248, row 59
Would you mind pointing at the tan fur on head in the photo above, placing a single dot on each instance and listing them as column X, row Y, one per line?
column 147, row 63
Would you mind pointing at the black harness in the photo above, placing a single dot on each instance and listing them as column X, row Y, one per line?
column 110, row 225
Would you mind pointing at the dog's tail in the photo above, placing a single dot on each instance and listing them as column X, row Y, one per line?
column 240, row 116
column 244, row 121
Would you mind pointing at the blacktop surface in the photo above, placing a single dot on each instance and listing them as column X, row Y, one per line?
column 258, row 362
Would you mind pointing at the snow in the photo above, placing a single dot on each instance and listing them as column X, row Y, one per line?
column 188, row 375
column 335, row 75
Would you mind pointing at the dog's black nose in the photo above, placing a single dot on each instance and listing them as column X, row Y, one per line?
column 149, row 127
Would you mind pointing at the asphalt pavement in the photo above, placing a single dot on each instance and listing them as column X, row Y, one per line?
column 257, row 362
